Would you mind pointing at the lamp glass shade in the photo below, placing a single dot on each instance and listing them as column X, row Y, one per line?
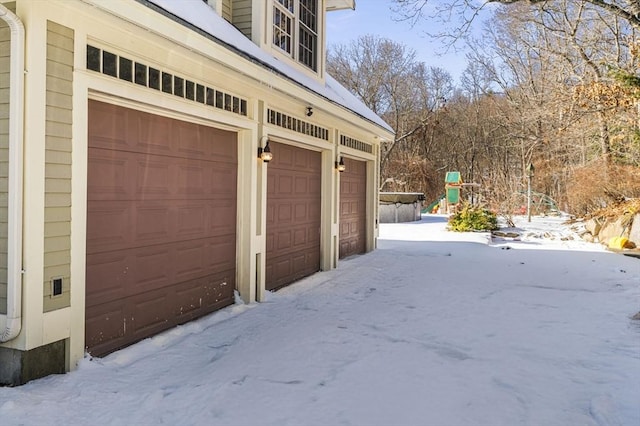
column 530, row 169
column 265, row 153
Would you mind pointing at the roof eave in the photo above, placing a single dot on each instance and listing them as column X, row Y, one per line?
column 332, row 5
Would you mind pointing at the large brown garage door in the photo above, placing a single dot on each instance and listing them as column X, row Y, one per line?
column 293, row 215
column 161, row 224
column 353, row 208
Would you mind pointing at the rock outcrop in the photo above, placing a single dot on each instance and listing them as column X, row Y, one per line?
column 621, row 223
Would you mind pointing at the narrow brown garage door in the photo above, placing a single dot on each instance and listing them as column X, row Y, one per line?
column 293, row 215
column 161, row 224
column 353, row 208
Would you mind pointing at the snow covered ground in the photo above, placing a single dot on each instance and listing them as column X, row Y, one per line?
column 433, row 328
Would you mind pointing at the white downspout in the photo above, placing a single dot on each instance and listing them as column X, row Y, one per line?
column 16, row 126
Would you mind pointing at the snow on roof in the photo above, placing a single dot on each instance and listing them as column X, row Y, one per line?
column 200, row 15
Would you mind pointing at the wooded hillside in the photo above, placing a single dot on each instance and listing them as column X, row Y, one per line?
column 555, row 84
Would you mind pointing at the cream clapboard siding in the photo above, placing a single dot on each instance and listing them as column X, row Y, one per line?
column 57, row 227
column 227, row 10
column 242, row 16
column 5, row 53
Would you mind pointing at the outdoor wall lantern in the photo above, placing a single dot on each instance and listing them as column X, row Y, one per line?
column 340, row 165
column 264, row 153
column 530, row 169
column 309, row 111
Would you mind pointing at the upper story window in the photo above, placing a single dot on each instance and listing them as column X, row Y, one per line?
column 295, row 30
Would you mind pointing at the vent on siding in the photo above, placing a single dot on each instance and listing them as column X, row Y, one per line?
column 137, row 73
column 355, row 144
column 297, row 125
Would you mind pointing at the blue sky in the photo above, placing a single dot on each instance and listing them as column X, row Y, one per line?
column 375, row 17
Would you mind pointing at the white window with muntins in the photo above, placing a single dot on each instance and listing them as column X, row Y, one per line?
column 295, row 30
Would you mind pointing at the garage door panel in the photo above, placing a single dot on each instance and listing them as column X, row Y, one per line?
column 300, row 160
column 194, row 260
column 105, row 326
column 128, row 272
column 147, row 313
column 353, row 214
column 147, row 127
column 224, row 153
column 280, row 270
column 119, row 129
column 161, row 227
column 301, row 212
column 355, row 207
column 299, row 237
column 191, row 144
column 290, row 241
column 191, row 220
column 128, row 176
column 152, row 224
column 156, row 179
column 221, row 254
column 151, row 269
column 293, row 215
column 149, row 133
column 108, row 175
column 107, row 225
column 315, row 181
column 106, row 277
column 179, row 262
column 285, row 156
column 153, row 176
column 164, row 265
column 314, row 212
column 283, row 240
column 192, row 178
column 284, row 186
column 302, row 185
column 299, row 262
column 185, row 220
column 222, row 220
column 189, row 299
column 285, row 213
column 113, row 325
column 111, row 130
column 294, row 265
column 202, row 219
column 313, row 237
column 203, row 296
column 201, row 142
column 222, row 177
column 137, row 272
column 344, row 228
column 304, row 161
column 122, row 225
column 344, row 247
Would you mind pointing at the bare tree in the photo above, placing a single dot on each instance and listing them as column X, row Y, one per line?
column 406, row 93
column 567, row 112
column 467, row 10
column 538, row 88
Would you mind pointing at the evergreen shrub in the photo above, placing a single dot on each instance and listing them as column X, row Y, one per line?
column 473, row 218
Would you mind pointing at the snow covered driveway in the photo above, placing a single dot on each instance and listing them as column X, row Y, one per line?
column 432, row 328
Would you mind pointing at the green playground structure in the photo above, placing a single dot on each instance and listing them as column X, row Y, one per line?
column 430, row 207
